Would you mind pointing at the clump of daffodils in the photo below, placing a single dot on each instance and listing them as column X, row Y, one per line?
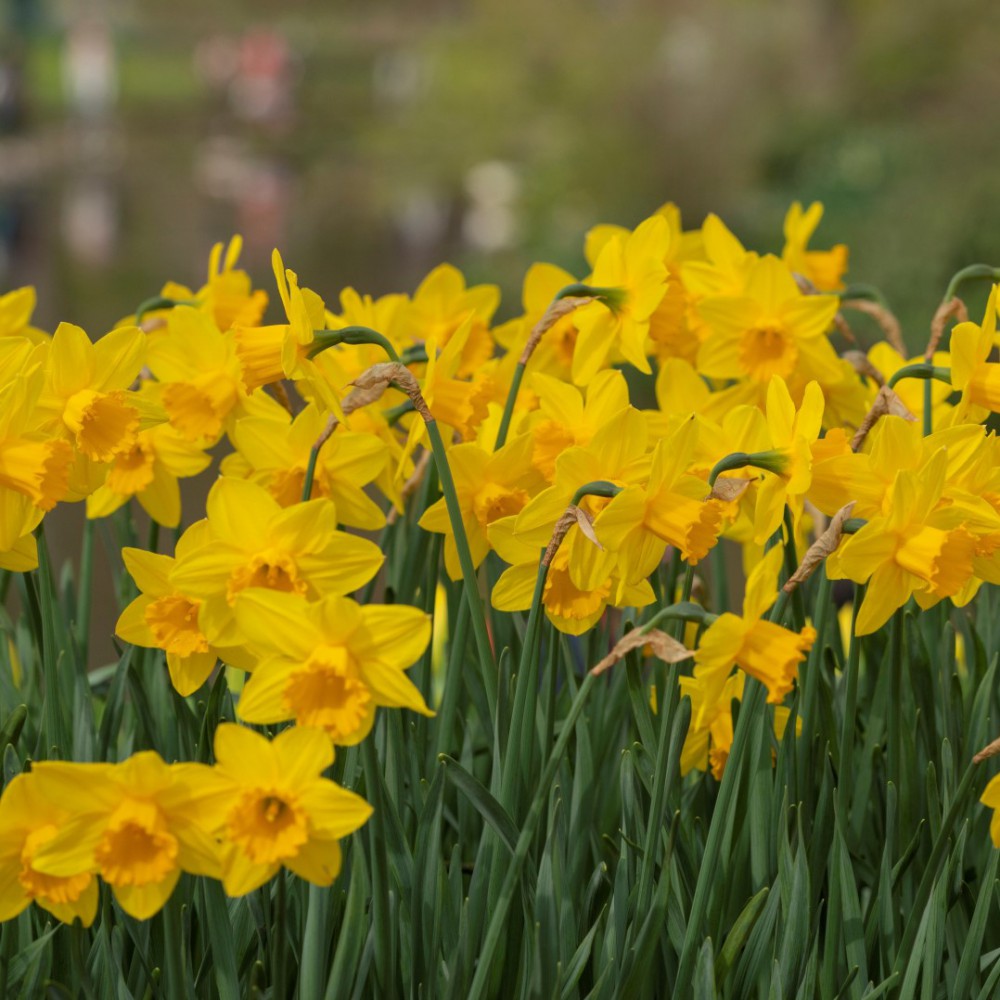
column 579, row 462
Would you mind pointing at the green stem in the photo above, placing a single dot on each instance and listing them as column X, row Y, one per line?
column 970, row 273
column 869, row 292
column 894, row 702
column 508, row 406
column 498, row 920
column 452, row 681
column 792, row 564
column 279, row 935
column 920, row 369
column 612, row 297
column 158, row 302
column 845, row 774
column 307, row 482
column 928, row 406
column 684, row 611
column 85, row 591
column 769, row 461
column 174, row 940
column 487, row 663
column 352, row 335
column 523, row 714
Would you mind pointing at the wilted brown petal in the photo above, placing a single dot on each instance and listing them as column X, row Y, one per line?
column 728, row 488
column 886, row 320
column 821, row 548
column 887, row 403
column 952, row 309
column 663, row 647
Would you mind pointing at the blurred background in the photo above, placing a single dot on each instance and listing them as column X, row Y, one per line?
column 371, row 140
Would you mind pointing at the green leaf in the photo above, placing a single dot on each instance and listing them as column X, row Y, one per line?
column 486, row 805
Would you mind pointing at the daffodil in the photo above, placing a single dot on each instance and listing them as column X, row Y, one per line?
column 149, row 471
column 16, row 308
column 914, row 547
column 824, row 269
column 971, row 373
column 279, row 809
column 634, row 265
column 771, row 329
column 567, row 416
column 137, row 824
column 761, row 648
column 442, row 304
column 329, row 664
column 87, row 397
column 490, row 486
column 572, row 609
column 162, row 617
column 276, row 451
column 201, row 385
column 618, row 454
column 29, row 820
column 554, row 353
column 228, row 297
column 252, row 541
column 670, row 508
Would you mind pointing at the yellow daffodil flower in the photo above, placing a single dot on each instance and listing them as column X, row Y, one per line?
column 772, row 329
column 911, row 548
column 567, row 417
column 276, row 449
column 490, row 486
column 252, row 541
column 442, row 305
column 823, row 268
column 669, row 509
column 162, row 617
column 761, row 648
column 331, row 663
column 972, row 374
column 149, row 471
column 633, row 264
column 201, row 384
column 137, row 824
column 28, row 821
column 279, row 809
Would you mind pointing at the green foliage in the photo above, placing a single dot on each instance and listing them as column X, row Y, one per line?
column 549, row 847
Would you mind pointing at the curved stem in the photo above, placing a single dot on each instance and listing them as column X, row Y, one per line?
column 769, row 461
column 970, row 273
column 921, row 369
column 351, row 335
